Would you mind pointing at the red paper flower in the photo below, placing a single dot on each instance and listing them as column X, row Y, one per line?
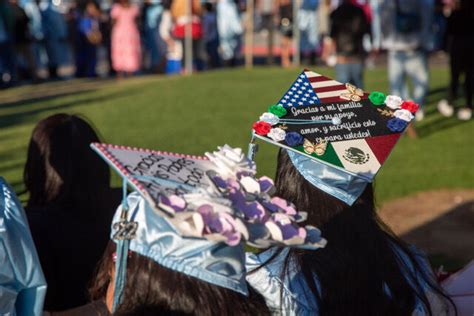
column 410, row 106
column 262, row 128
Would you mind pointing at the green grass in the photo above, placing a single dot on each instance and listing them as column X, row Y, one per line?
column 195, row 114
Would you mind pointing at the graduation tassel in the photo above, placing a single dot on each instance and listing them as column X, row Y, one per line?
column 122, row 250
column 253, row 148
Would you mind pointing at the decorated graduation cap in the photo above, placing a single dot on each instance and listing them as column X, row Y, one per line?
column 337, row 136
column 192, row 214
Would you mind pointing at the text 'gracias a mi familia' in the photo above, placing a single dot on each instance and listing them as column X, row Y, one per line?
column 355, row 121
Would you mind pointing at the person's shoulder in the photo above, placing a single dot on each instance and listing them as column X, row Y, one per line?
column 415, row 260
column 285, row 291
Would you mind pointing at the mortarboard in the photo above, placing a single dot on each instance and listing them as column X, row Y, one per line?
column 192, row 214
column 337, row 136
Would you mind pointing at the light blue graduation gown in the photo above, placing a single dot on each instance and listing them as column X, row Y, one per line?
column 292, row 295
column 22, row 283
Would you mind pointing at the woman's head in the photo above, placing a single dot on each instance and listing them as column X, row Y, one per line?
column 123, row 2
column 362, row 258
column 92, row 9
column 151, row 289
column 61, row 167
column 320, row 206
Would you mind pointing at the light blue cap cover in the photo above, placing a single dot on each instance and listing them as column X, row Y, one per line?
column 214, row 262
column 22, row 283
column 333, row 181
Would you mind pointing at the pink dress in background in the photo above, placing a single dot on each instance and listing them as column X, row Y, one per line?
column 126, row 52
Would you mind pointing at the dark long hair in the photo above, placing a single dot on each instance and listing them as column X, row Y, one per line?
column 363, row 259
column 61, row 169
column 151, row 289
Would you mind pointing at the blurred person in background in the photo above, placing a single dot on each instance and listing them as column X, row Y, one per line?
column 461, row 52
column 70, row 206
column 7, row 63
column 348, row 25
column 151, row 15
column 285, row 11
column 308, row 24
column 88, row 37
column 174, row 48
column 105, row 26
column 35, row 28
column 268, row 9
column 210, row 35
column 25, row 63
column 55, row 37
column 439, row 26
column 178, row 12
column 126, row 51
column 230, row 31
column 406, row 27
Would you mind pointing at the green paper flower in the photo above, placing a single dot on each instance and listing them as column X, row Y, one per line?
column 278, row 110
column 377, row 98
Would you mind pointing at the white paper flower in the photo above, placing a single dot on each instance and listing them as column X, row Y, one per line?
column 393, row 101
column 277, row 134
column 270, row 118
column 250, row 185
column 403, row 115
column 231, row 161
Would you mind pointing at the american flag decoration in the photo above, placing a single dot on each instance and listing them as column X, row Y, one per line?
column 312, row 88
column 300, row 93
column 359, row 150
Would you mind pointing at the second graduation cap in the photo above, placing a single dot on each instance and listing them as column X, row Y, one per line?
column 336, row 124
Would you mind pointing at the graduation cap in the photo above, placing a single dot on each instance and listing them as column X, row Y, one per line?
column 337, row 135
column 192, row 214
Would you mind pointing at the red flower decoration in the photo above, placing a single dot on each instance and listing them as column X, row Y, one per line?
column 262, row 128
column 410, row 106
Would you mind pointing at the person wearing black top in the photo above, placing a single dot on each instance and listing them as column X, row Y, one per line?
column 70, row 206
column 348, row 26
column 461, row 52
column 22, row 43
column 285, row 10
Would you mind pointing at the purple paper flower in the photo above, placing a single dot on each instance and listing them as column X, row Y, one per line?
column 251, row 210
column 282, row 228
column 173, row 202
column 220, row 223
column 284, row 205
column 396, row 125
column 288, row 228
column 294, row 139
column 266, row 184
column 289, row 231
column 220, row 183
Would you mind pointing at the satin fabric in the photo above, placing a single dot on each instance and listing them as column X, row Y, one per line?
column 213, row 262
column 289, row 296
column 333, row 181
column 292, row 296
column 22, row 283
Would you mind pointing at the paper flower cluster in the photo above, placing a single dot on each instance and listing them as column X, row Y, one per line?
column 237, row 206
column 264, row 127
column 403, row 114
column 272, row 125
column 404, row 110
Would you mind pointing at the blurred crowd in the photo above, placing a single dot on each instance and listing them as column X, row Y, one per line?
column 149, row 36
